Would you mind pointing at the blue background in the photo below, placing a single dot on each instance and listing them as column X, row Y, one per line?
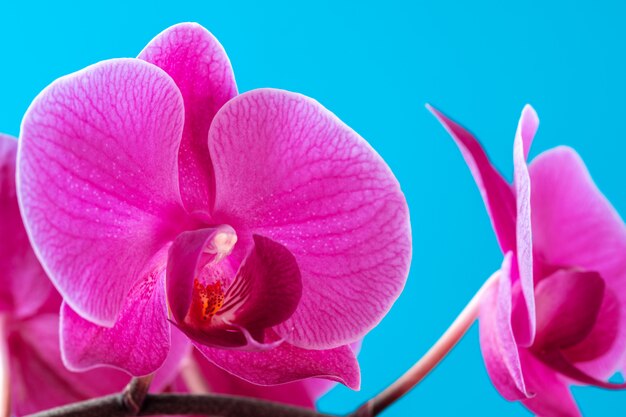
column 375, row 65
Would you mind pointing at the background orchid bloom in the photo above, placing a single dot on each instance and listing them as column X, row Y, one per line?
column 556, row 316
column 281, row 236
column 29, row 320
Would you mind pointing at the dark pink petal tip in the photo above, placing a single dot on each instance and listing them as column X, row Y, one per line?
column 98, row 179
column 290, row 170
column 496, row 192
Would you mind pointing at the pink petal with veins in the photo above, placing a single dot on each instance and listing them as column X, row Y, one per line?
column 138, row 342
column 290, row 170
column 200, row 67
column 97, row 179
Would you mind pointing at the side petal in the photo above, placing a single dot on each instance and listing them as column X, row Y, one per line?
column 24, row 286
column 496, row 192
column 497, row 342
column 138, row 342
column 290, row 170
column 39, row 380
column 97, row 179
column 526, row 129
column 551, row 394
column 200, row 67
column 575, row 225
column 288, row 363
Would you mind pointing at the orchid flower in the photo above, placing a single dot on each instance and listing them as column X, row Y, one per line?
column 259, row 224
column 556, row 316
column 29, row 311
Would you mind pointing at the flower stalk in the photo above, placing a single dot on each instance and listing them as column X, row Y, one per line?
column 430, row 360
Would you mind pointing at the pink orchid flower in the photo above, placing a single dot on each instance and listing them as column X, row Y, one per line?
column 259, row 224
column 556, row 316
column 29, row 317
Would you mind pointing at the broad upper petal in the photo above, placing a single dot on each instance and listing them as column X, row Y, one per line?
column 496, row 192
column 288, row 169
column 138, row 342
column 98, row 179
column 574, row 225
column 39, row 380
column 526, row 129
column 288, row 363
column 24, row 286
column 497, row 341
column 200, row 67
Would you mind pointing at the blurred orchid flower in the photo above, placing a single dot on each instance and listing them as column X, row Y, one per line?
column 263, row 227
column 29, row 311
column 556, row 316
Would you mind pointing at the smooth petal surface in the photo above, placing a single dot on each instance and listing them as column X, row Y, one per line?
column 39, row 380
column 526, row 129
column 139, row 341
column 568, row 303
column 288, row 169
column 496, row 192
column 574, row 225
column 98, row 179
column 299, row 393
column 288, row 363
column 198, row 64
column 595, row 355
column 497, row 342
column 23, row 284
column 551, row 394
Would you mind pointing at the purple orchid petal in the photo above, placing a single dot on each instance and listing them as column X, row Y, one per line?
column 198, row 64
column 289, row 170
column 497, row 342
column 226, row 311
column 138, row 342
column 496, row 192
column 526, row 129
column 98, row 179
column 288, row 363
column 39, row 380
column 568, row 303
column 24, row 286
column 180, row 350
column 551, row 394
column 574, row 224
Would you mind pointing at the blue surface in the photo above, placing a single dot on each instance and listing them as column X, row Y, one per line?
column 375, row 65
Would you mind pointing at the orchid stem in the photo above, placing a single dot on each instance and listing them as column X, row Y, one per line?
column 135, row 393
column 430, row 360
